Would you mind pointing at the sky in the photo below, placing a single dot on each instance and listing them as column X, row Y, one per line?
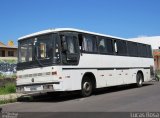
column 120, row 18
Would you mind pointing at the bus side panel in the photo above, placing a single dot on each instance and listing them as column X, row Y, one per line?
column 72, row 78
column 131, row 78
column 146, row 73
column 127, row 76
column 111, row 78
column 101, row 79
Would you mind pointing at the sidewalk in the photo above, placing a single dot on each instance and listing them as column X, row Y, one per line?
column 10, row 96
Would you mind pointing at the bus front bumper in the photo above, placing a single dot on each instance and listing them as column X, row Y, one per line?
column 39, row 87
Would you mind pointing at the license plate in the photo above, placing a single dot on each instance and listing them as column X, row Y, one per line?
column 33, row 88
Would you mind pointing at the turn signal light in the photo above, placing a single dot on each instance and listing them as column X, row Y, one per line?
column 54, row 73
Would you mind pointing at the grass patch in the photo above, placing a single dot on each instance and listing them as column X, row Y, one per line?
column 8, row 101
column 8, row 88
column 3, row 76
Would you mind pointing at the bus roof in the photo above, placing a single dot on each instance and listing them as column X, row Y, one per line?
column 65, row 29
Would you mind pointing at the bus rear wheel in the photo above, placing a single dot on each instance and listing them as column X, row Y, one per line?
column 87, row 87
column 139, row 79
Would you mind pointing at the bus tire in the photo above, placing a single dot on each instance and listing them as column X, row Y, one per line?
column 139, row 79
column 87, row 87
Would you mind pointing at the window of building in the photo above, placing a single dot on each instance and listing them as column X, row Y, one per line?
column 2, row 53
column 11, row 53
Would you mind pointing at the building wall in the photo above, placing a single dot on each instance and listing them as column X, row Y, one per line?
column 6, row 52
column 8, row 58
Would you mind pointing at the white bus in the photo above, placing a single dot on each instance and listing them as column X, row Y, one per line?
column 67, row 59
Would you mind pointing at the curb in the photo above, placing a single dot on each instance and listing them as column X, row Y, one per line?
column 10, row 96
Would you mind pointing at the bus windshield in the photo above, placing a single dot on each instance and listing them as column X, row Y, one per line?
column 40, row 49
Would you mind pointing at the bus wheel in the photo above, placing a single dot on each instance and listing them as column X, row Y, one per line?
column 87, row 87
column 139, row 80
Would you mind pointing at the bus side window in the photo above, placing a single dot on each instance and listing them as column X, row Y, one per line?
column 102, row 45
column 71, row 43
column 132, row 49
column 89, row 44
column 109, row 44
column 121, row 47
column 149, row 51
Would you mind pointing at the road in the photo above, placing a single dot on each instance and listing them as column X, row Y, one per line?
column 113, row 99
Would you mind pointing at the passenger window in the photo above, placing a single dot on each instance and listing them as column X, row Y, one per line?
column 70, row 51
column 89, row 44
column 109, row 45
column 142, row 50
column 102, row 46
column 149, row 51
column 69, row 44
column 121, row 47
column 132, row 49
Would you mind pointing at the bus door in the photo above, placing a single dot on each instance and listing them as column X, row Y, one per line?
column 69, row 48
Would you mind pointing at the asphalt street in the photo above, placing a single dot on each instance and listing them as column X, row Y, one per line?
column 112, row 99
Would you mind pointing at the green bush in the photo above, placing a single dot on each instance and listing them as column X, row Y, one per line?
column 1, row 76
column 2, row 91
column 8, row 88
